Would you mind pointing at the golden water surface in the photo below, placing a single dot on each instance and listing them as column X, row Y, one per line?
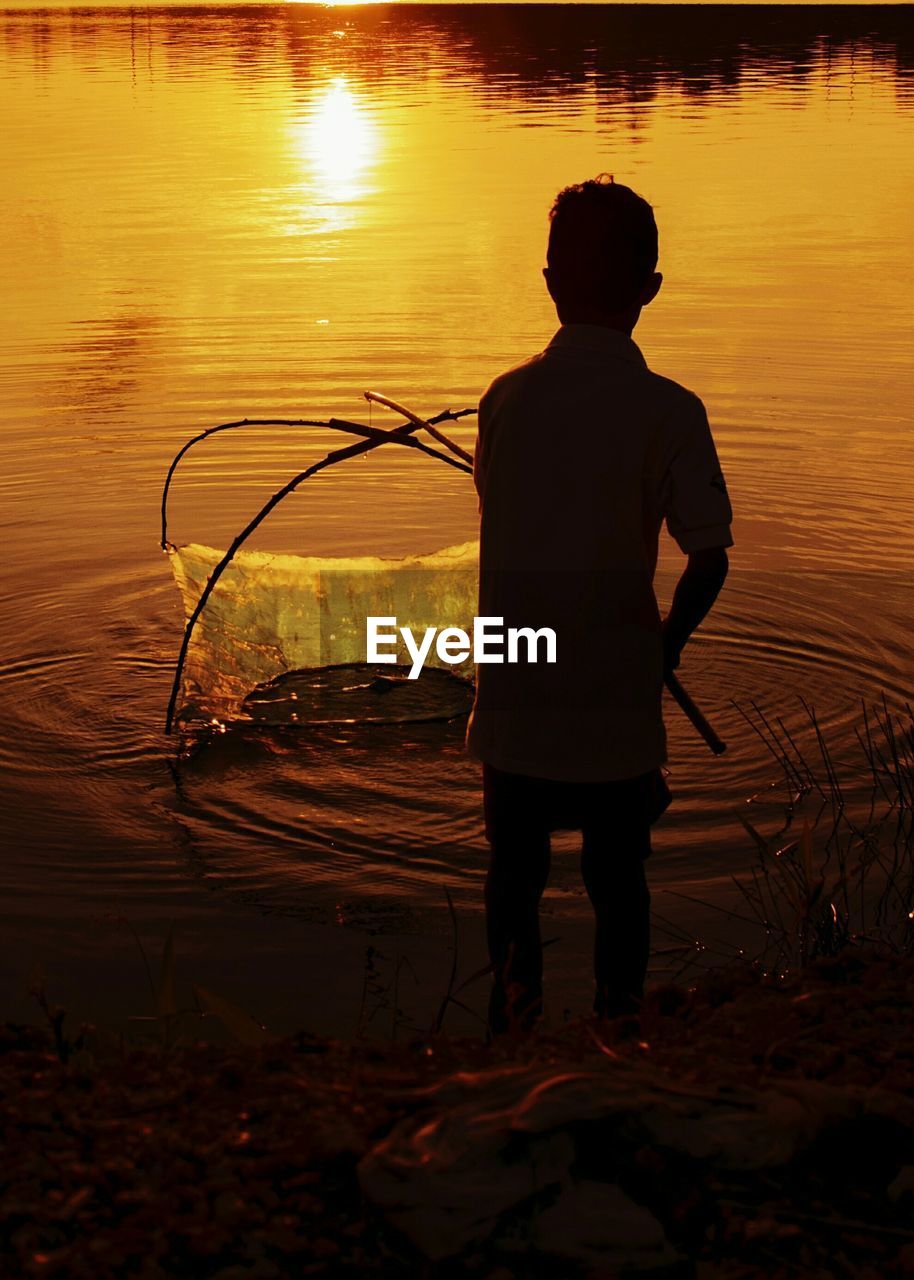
column 219, row 212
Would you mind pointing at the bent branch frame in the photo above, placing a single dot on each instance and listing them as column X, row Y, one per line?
column 372, row 439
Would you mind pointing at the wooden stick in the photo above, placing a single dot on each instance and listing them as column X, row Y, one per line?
column 212, row 431
column 420, row 422
column 338, row 455
column 334, row 424
column 691, row 711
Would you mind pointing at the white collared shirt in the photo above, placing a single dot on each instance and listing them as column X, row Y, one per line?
column 582, row 453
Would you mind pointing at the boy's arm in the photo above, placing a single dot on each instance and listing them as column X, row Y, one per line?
column 695, row 593
column 698, row 515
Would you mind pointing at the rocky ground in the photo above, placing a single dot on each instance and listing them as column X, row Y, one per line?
column 743, row 1128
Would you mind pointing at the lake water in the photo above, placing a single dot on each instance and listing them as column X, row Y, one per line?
column 213, row 213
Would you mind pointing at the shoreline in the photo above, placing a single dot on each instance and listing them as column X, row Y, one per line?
column 756, row 1127
column 289, row 973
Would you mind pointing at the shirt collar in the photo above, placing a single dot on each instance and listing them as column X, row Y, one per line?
column 597, row 337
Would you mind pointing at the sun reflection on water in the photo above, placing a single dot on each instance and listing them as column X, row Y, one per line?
column 338, row 142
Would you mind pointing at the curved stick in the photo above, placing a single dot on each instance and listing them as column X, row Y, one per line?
column 421, row 422
column 335, row 424
column 338, row 455
column 211, row 431
column 694, row 715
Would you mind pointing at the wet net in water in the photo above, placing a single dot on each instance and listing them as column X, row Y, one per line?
column 283, row 639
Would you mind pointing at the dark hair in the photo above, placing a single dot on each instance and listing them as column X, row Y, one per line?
column 602, row 243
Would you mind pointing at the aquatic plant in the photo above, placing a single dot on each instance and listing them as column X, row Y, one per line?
column 55, row 1016
column 168, row 1022
column 839, row 871
column 380, row 996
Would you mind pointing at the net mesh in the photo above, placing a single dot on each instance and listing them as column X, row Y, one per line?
column 282, row 639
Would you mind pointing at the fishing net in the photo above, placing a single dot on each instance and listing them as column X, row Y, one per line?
column 283, row 638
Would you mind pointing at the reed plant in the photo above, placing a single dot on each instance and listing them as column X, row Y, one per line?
column 839, row 869
column 167, row 1025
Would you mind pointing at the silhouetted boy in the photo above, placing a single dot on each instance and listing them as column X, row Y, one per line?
column 582, row 453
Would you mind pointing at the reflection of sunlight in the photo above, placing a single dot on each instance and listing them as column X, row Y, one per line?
column 340, row 141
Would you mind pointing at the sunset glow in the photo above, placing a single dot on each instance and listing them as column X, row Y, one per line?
column 339, row 141
column 336, row 4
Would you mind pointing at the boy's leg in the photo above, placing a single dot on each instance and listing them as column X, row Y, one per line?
column 613, row 866
column 518, row 833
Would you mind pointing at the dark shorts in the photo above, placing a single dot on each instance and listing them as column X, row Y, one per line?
column 516, row 805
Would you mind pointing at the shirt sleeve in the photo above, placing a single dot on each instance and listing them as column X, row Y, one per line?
column 696, row 504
